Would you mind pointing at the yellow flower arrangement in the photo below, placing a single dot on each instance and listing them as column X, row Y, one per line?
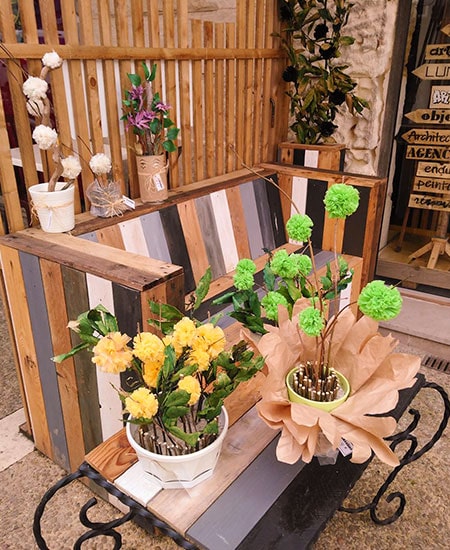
column 181, row 377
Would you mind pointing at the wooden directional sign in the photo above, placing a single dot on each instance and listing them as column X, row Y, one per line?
column 427, row 137
column 446, row 29
column 438, row 51
column 433, row 71
column 431, row 185
column 433, row 169
column 430, row 116
column 429, row 202
column 429, row 152
column 440, row 97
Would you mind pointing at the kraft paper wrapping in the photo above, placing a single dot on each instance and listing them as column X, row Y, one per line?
column 375, row 373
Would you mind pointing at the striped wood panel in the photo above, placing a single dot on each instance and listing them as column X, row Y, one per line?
column 72, row 407
column 212, row 230
column 327, row 157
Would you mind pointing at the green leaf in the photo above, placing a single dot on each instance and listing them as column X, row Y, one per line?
column 202, row 288
column 165, row 311
column 254, row 304
column 169, row 146
column 269, row 277
column 346, row 40
column 149, row 76
column 63, row 356
column 172, row 133
column 212, row 427
column 135, row 79
column 326, row 283
column 225, row 299
column 191, row 438
column 176, row 398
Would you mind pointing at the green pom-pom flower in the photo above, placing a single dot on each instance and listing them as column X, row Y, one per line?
column 311, row 321
column 244, row 280
column 284, row 265
column 270, row 303
column 379, row 301
column 304, row 263
column 341, row 200
column 246, row 266
column 299, row 227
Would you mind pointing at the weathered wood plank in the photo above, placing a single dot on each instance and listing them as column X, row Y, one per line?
column 77, row 301
column 211, row 235
column 23, row 332
column 119, row 266
column 193, row 237
column 66, row 375
column 38, row 311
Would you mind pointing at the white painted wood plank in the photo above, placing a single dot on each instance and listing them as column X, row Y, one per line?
column 137, row 485
column 100, row 292
column 311, row 158
column 225, row 229
column 133, row 237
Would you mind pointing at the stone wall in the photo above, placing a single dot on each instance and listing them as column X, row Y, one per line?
column 372, row 24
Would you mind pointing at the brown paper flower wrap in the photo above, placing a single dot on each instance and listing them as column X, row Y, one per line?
column 360, row 353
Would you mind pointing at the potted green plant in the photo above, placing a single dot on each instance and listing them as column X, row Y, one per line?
column 327, row 370
column 179, row 382
column 319, row 85
column 147, row 117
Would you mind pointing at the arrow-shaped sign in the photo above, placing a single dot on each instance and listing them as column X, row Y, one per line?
column 428, row 137
column 430, row 116
column 446, row 29
column 433, row 71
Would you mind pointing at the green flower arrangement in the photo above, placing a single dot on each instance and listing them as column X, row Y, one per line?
column 292, row 279
column 320, row 87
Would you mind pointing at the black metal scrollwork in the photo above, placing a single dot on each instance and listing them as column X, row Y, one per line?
column 410, row 456
column 96, row 529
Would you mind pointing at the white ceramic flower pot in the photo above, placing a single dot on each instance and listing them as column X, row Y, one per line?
column 55, row 209
column 180, row 472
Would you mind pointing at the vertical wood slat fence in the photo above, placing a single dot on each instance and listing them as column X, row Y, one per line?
column 223, row 81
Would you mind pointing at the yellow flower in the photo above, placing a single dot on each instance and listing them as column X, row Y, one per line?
column 142, row 404
column 199, row 357
column 111, row 353
column 213, row 339
column 151, row 371
column 184, row 332
column 148, row 346
column 192, row 386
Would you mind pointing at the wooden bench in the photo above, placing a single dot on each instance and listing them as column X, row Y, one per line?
column 156, row 252
column 252, row 500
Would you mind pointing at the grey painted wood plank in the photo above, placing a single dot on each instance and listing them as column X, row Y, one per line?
column 37, row 307
column 263, row 208
column 228, row 521
column 155, row 237
column 210, row 234
column 251, row 217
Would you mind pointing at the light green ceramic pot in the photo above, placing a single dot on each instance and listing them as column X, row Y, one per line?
column 327, row 406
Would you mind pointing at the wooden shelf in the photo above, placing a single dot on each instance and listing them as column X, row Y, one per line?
column 395, row 265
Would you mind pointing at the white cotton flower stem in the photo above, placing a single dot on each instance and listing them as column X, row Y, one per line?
column 59, row 169
column 44, row 72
